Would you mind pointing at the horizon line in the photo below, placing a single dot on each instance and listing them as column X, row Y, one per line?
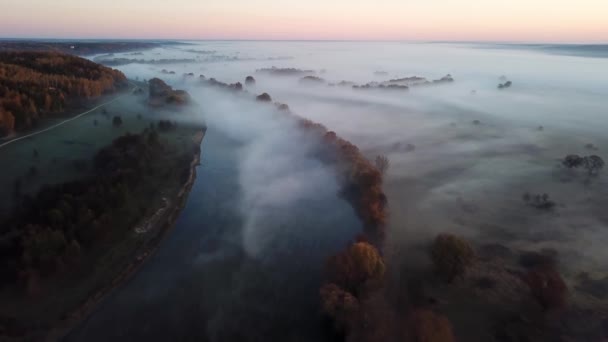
column 421, row 41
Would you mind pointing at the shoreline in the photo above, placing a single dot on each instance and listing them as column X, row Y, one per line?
column 164, row 227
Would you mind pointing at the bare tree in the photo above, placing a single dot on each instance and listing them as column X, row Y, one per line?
column 382, row 163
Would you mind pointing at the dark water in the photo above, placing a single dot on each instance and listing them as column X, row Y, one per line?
column 202, row 284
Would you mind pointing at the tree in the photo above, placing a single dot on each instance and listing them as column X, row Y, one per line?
column 451, row 255
column 548, row 287
column 382, row 163
column 264, row 98
column 340, row 306
column 117, row 121
column 593, row 164
column 357, row 268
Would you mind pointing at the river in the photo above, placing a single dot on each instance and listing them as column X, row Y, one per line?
column 203, row 285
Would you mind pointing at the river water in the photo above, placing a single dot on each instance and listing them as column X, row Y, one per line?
column 202, row 284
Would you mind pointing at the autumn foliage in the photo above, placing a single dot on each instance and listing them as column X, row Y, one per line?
column 357, row 268
column 34, row 85
column 46, row 234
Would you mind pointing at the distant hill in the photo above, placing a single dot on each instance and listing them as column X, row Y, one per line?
column 34, row 85
column 80, row 48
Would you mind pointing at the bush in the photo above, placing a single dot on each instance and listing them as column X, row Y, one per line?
column 249, row 80
column 357, row 268
column 451, row 256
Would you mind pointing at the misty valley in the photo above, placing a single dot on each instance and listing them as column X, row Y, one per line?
column 302, row 191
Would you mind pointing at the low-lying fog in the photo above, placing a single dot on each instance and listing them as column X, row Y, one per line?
column 461, row 154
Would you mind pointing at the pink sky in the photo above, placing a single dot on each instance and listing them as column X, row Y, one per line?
column 493, row 20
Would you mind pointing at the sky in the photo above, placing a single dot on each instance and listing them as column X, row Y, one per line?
column 416, row 20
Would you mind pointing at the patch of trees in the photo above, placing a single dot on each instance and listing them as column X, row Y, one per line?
column 160, row 93
column 264, row 98
column 284, row 71
column 215, row 83
column 311, row 80
column 50, row 232
column 352, row 274
column 34, row 85
column 375, row 85
column 593, row 164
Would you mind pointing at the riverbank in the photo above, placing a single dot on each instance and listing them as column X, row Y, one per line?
column 136, row 250
column 163, row 225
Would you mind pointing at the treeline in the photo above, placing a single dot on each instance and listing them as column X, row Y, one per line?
column 36, row 84
column 54, row 230
column 361, row 181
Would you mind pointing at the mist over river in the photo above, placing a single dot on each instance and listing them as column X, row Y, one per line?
column 245, row 260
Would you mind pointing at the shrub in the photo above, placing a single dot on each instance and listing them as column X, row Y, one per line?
column 357, row 268
column 451, row 256
column 249, row 80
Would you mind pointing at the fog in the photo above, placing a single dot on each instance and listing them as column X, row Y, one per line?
column 474, row 149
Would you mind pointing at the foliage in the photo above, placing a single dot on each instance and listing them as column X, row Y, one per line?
column 358, row 268
column 451, row 255
column 64, row 221
column 160, row 93
column 37, row 84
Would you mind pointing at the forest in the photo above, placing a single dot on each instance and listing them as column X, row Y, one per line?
column 35, row 85
column 60, row 228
